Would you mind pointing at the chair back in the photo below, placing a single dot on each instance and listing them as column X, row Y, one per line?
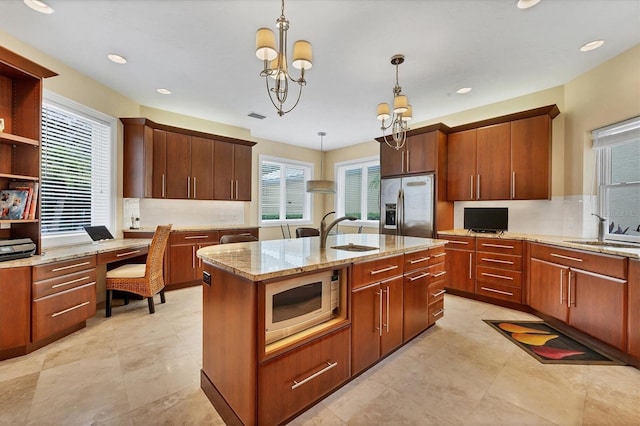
column 286, row 231
column 240, row 238
column 155, row 257
column 307, row 232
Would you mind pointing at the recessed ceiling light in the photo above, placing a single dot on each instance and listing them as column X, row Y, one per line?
column 164, row 91
column 591, row 45
column 526, row 4
column 463, row 90
column 113, row 57
column 39, row 6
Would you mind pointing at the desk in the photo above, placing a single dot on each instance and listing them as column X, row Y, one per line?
column 46, row 297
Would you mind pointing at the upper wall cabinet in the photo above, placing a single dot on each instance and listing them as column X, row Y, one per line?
column 418, row 155
column 20, row 113
column 168, row 162
column 506, row 158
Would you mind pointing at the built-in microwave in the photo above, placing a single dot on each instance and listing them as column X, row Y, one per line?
column 299, row 303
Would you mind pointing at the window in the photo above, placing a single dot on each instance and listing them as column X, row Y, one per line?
column 358, row 190
column 618, row 160
column 77, row 152
column 283, row 197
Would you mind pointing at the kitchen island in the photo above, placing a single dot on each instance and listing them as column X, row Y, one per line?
column 388, row 289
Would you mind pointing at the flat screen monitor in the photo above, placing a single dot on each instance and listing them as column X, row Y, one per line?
column 486, row 219
column 98, row 233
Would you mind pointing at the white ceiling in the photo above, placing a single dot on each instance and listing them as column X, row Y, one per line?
column 204, row 52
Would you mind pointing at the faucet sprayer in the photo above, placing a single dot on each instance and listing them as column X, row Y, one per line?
column 601, row 223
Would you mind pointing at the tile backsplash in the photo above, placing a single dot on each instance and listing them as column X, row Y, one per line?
column 153, row 212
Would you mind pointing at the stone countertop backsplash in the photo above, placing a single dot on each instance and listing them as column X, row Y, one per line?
column 193, row 228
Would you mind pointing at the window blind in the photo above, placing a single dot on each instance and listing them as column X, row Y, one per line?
column 282, row 191
column 76, row 167
column 617, row 134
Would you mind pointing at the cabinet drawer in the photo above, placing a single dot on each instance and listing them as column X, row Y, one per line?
column 438, row 255
column 497, row 245
column 436, row 311
column 436, row 291
column 193, row 237
column 376, row 270
column 499, row 291
column 499, row 261
column 613, row 266
column 437, row 272
column 122, row 254
column 65, row 282
column 62, row 310
column 499, row 276
column 459, row 243
column 56, row 269
column 417, row 260
column 292, row 381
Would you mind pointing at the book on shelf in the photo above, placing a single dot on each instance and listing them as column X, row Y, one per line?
column 32, row 199
column 13, row 203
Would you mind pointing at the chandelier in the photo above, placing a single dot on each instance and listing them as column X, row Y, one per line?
column 275, row 62
column 321, row 186
column 402, row 113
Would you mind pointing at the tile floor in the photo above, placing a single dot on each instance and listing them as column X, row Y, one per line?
column 141, row 369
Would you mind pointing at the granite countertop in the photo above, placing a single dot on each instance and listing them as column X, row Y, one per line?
column 263, row 260
column 193, row 228
column 55, row 254
column 568, row 242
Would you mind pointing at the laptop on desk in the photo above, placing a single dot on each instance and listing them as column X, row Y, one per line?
column 98, row 233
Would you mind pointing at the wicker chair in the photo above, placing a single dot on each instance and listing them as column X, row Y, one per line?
column 307, row 232
column 240, row 238
column 145, row 280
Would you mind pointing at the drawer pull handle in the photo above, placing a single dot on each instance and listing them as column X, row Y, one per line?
column 194, row 237
column 439, row 254
column 388, row 268
column 314, row 375
column 497, row 246
column 493, row 290
column 497, row 276
column 127, row 253
column 507, row 262
column 70, row 282
column 437, row 314
column 70, row 309
column 440, row 293
column 75, row 265
column 466, row 243
column 439, row 274
column 425, row 274
column 422, row 259
column 575, row 259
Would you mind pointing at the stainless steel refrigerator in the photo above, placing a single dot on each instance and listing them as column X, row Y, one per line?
column 407, row 206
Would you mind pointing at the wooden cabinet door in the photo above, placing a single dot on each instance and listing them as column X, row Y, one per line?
column 366, row 326
column 201, row 168
column 597, row 306
column 223, row 185
column 15, row 307
column 531, row 158
column 159, row 168
column 178, row 180
column 416, row 303
column 242, row 172
column 493, row 167
column 461, row 270
column 183, row 263
column 461, row 166
column 422, row 153
column 548, row 288
column 392, row 315
column 391, row 161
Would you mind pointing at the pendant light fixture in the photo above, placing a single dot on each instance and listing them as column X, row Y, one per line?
column 321, row 186
column 402, row 112
column 275, row 62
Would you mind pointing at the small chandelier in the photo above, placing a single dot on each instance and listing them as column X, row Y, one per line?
column 402, row 112
column 321, row 186
column 275, row 62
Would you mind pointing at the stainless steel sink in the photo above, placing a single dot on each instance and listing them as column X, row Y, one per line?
column 605, row 244
column 354, row 247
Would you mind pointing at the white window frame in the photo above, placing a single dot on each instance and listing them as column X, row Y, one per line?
column 604, row 139
column 83, row 110
column 340, row 168
column 308, row 200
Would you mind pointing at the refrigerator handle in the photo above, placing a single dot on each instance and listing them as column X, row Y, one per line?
column 399, row 213
column 401, row 229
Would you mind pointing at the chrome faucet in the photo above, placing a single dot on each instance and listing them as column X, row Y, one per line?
column 324, row 229
column 601, row 223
